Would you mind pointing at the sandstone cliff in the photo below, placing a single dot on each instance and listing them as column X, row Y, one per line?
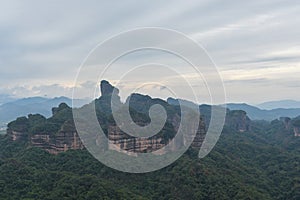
column 58, row 134
column 238, row 120
column 296, row 127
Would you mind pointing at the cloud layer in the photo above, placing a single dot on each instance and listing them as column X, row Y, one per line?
column 256, row 44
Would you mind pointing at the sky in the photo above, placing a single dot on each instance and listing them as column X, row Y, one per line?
column 254, row 44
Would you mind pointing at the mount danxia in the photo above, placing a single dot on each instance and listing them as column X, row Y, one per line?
column 58, row 133
column 44, row 158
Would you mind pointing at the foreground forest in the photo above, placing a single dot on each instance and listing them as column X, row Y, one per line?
column 42, row 158
column 262, row 163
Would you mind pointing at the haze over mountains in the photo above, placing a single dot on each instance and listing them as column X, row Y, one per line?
column 20, row 107
column 269, row 105
column 45, row 158
column 256, row 113
column 5, row 98
column 11, row 108
column 259, row 113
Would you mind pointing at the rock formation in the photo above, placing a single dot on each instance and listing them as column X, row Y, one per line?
column 58, row 134
column 119, row 141
column 53, row 143
column 297, row 131
column 296, row 127
column 238, row 120
column 63, row 141
column 286, row 121
column 107, row 89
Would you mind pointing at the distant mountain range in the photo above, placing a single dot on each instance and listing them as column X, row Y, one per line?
column 11, row 108
column 20, row 107
column 256, row 113
column 253, row 112
column 5, row 98
column 279, row 104
column 251, row 160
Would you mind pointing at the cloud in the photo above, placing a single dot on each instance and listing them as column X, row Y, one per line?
column 247, row 81
column 42, row 44
column 51, row 90
column 163, row 88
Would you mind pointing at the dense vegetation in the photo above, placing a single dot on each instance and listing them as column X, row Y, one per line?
column 261, row 164
column 252, row 160
column 36, row 123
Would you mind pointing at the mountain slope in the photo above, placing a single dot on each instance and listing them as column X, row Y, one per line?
column 252, row 160
column 279, row 104
column 251, row 165
column 258, row 114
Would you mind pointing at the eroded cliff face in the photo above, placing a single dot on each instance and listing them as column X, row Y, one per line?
column 238, row 120
column 287, row 122
column 61, row 142
column 18, row 129
column 120, row 141
column 297, row 131
column 17, row 136
column 291, row 125
column 200, row 135
column 67, row 138
column 58, row 133
column 296, row 126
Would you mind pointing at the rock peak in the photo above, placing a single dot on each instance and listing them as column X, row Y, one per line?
column 107, row 89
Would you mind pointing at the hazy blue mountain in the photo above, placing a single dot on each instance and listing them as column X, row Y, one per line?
column 279, row 104
column 260, row 114
column 25, row 106
column 253, row 112
column 5, row 98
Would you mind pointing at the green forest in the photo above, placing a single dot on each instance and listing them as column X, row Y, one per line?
column 252, row 160
column 259, row 164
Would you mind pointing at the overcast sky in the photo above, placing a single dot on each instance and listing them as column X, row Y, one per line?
column 255, row 44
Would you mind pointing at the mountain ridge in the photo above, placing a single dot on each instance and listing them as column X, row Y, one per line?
column 286, row 103
column 256, row 113
column 31, row 105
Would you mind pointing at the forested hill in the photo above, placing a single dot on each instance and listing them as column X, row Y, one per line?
column 252, row 159
column 58, row 133
column 261, row 164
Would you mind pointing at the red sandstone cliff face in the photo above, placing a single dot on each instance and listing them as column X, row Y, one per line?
column 297, row 131
column 58, row 133
column 296, row 127
column 118, row 140
column 287, row 122
column 238, row 120
column 61, row 142
column 200, row 135
column 17, row 136
column 54, row 144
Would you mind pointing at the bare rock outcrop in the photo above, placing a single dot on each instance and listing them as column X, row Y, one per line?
column 238, row 120
column 58, row 134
